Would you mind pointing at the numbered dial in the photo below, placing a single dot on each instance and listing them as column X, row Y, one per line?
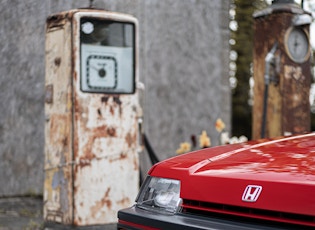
column 297, row 44
column 101, row 72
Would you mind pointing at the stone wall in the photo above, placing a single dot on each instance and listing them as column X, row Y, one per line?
column 183, row 64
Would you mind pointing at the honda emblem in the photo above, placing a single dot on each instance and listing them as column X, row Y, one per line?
column 251, row 193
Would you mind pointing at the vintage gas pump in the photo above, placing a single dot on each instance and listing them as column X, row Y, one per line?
column 282, row 70
column 92, row 112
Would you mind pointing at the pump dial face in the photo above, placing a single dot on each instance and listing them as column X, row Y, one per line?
column 297, row 44
column 101, row 72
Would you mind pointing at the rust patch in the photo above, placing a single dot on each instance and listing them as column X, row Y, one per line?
column 85, row 162
column 75, row 48
column 111, row 132
column 99, row 131
column 112, row 111
column 104, row 99
column 107, row 192
column 74, row 75
column 295, row 73
column 55, row 21
column 58, row 129
column 102, row 131
column 77, row 222
column 99, row 112
column 124, row 202
column 130, row 139
column 123, row 156
column 120, row 157
column 105, row 201
column 117, row 101
column 59, row 20
column 65, row 141
column 77, row 109
column 57, row 61
column 135, row 164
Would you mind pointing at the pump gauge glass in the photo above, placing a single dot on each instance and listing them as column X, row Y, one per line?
column 107, row 50
column 297, row 44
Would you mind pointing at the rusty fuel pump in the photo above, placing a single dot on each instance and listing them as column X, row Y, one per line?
column 92, row 112
column 282, row 70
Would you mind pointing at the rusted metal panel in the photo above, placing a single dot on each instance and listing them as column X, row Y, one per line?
column 296, row 87
column 106, row 169
column 58, row 130
column 92, row 165
column 288, row 99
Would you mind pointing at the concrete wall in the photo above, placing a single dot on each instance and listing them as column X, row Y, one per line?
column 184, row 65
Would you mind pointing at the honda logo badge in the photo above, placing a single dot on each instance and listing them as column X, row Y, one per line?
column 251, row 193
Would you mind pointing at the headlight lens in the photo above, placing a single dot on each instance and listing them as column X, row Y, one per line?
column 160, row 195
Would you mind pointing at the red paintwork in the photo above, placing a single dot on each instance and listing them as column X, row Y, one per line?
column 134, row 225
column 285, row 168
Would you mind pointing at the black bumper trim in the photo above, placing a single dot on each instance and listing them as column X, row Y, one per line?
column 184, row 221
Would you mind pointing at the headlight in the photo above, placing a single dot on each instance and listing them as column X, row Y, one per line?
column 160, row 195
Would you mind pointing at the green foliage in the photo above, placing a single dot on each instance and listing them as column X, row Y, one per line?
column 243, row 36
column 34, row 225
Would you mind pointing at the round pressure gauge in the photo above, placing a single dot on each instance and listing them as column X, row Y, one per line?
column 297, row 44
column 101, row 72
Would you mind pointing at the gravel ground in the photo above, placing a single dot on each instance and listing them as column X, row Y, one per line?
column 25, row 213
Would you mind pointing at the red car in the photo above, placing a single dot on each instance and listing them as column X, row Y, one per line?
column 263, row 184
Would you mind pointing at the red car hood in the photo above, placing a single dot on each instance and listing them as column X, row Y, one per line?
column 284, row 169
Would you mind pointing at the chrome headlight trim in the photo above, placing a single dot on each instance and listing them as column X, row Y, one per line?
column 160, row 195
